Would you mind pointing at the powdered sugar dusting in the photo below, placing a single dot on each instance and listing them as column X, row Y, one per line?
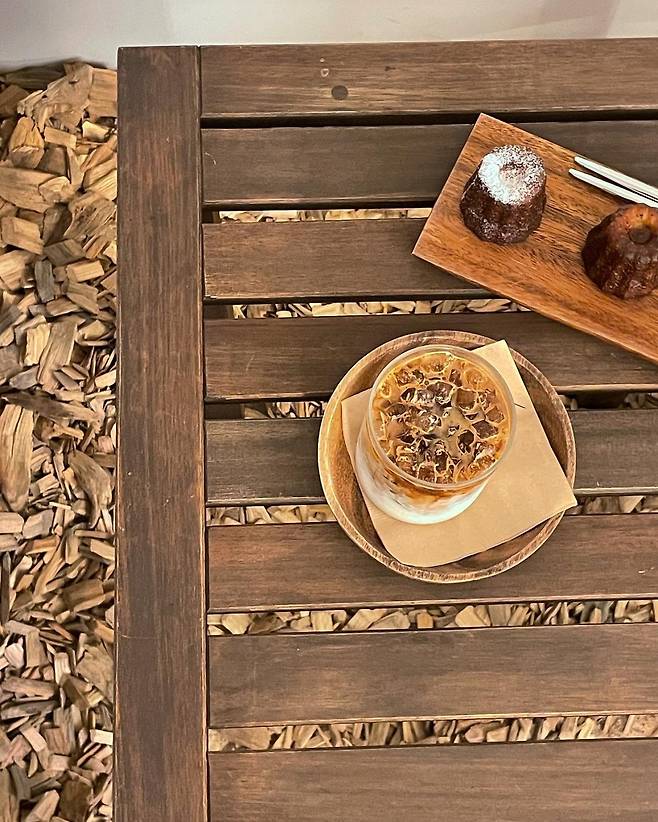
column 511, row 174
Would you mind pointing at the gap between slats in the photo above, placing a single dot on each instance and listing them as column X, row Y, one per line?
column 396, row 733
column 459, row 118
column 401, row 619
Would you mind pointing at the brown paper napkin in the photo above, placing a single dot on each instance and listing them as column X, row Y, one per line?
column 528, row 488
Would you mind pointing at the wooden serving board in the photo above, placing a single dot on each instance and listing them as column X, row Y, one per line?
column 545, row 272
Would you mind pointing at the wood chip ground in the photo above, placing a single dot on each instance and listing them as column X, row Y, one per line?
column 57, row 442
column 57, row 459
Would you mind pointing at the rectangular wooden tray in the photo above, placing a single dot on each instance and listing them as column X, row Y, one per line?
column 545, row 272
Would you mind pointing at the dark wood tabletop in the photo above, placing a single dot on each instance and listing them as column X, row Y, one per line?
column 353, row 126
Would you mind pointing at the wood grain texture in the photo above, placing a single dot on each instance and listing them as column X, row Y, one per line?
column 160, row 726
column 322, row 260
column 351, row 166
column 452, row 672
column 545, row 272
column 429, row 78
column 282, row 567
column 297, row 358
column 344, row 495
column 586, row 781
column 617, row 452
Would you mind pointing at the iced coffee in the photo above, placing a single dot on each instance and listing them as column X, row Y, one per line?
column 440, row 420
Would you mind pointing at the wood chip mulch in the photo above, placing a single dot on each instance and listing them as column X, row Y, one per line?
column 57, row 442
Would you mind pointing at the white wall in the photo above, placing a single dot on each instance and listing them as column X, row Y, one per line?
column 38, row 31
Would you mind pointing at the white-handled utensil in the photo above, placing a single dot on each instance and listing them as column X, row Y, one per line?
column 614, row 182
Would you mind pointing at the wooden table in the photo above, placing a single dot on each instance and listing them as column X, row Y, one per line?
column 352, row 126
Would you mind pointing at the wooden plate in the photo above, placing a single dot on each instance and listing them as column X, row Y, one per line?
column 344, row 495
column 545, row 272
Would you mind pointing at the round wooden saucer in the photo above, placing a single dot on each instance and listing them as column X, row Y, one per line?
column 344, row 495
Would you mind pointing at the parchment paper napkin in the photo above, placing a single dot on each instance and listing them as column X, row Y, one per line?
column 528, row 487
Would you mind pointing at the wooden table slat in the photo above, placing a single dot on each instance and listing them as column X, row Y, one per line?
column 322, row 260
column 307, row 357
column 289, row 567
column 275, row 461
column 354, row 166
column 425, row 79
column 588, row 781
column 160, row 641
column 451, row 672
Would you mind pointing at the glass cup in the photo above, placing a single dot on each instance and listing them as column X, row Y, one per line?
column 395, row 486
